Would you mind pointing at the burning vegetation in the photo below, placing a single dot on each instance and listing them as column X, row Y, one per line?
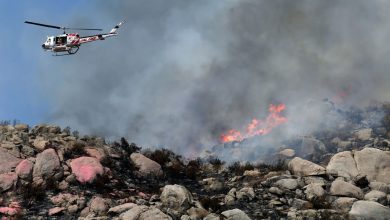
column 257, row 126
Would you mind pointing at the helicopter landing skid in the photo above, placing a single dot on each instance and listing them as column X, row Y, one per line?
column 60, row 55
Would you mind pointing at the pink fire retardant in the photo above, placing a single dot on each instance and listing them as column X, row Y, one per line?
column 13, row 209
column 86, row 169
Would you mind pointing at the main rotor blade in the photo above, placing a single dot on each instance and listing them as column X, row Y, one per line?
column 44, row 25
column 88, row 29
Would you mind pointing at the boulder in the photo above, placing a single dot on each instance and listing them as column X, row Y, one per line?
column 153, row 214
column 86, row 169
column 369, row 210
column 145, row 165
column 314, row 192
column 252, row 173
column 290, row 184
column 301, row 167
column 64, row 199
column 122, row 208
column 245, row 193
column 55, row 210
column 13, row 209
column 342, row 164
column 197, row 213
column 276, row 190
column 301, row 204
column 314, row 179
column 287, row 153
column 47, row 165
column 96, row 153
column 341, row 188
column 343, row 204
column 7, row 181
column 133, row 213
column 213, row 184
column 311, row 148
column 24, row 169
column 344, row 144
column 383, row 187
column 212, row 216
column 176, row 197
column 144, row 213
column 98, row 205
column 41, row 144
column 374, row 163
column 7, row 161
column 376, row 196
column 364, row 134
column 235, row 214
column 11, row 148
column 230, row 198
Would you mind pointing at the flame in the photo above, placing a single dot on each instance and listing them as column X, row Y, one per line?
column 256, row 126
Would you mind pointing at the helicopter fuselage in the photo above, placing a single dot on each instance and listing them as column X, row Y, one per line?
column 61, row 42
column 71, row 42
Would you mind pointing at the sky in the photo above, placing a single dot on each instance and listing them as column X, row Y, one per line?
column 180, row 73
column 21, row 92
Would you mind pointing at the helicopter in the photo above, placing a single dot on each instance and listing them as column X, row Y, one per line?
column 70, row 42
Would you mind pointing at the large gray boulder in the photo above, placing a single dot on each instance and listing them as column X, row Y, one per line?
column 374, row 163
column 47, row 165
column 369, row 210
column 301, row 167
column 343, row 203
column 235, row 214
column 145, row 165
column 7, row 181
column 311, row 148
column 342, row 165
column 7, row 161
column 314, row 192
column 383, row 187
column 341, row 188
column 176, row 197
column 290, row 184
column 376, row 196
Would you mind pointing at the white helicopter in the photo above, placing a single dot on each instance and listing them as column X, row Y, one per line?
column 71, row 42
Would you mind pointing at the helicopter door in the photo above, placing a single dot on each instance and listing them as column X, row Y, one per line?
column 60, row 40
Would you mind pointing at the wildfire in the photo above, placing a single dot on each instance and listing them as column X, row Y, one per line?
column 256, row 126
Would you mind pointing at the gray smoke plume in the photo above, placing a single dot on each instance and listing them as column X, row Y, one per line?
column 182, row 72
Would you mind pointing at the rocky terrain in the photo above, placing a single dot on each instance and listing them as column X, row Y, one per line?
column 51, row 173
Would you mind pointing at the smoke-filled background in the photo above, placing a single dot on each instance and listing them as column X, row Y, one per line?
column 180, row 73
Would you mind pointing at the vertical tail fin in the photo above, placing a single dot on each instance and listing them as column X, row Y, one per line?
column 116, row 27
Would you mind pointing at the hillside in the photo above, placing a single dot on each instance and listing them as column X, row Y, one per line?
column 49, row 173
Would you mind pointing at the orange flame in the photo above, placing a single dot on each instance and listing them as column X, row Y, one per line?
column 256, row 126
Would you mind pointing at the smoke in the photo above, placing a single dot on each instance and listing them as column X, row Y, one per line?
column 182, row 72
